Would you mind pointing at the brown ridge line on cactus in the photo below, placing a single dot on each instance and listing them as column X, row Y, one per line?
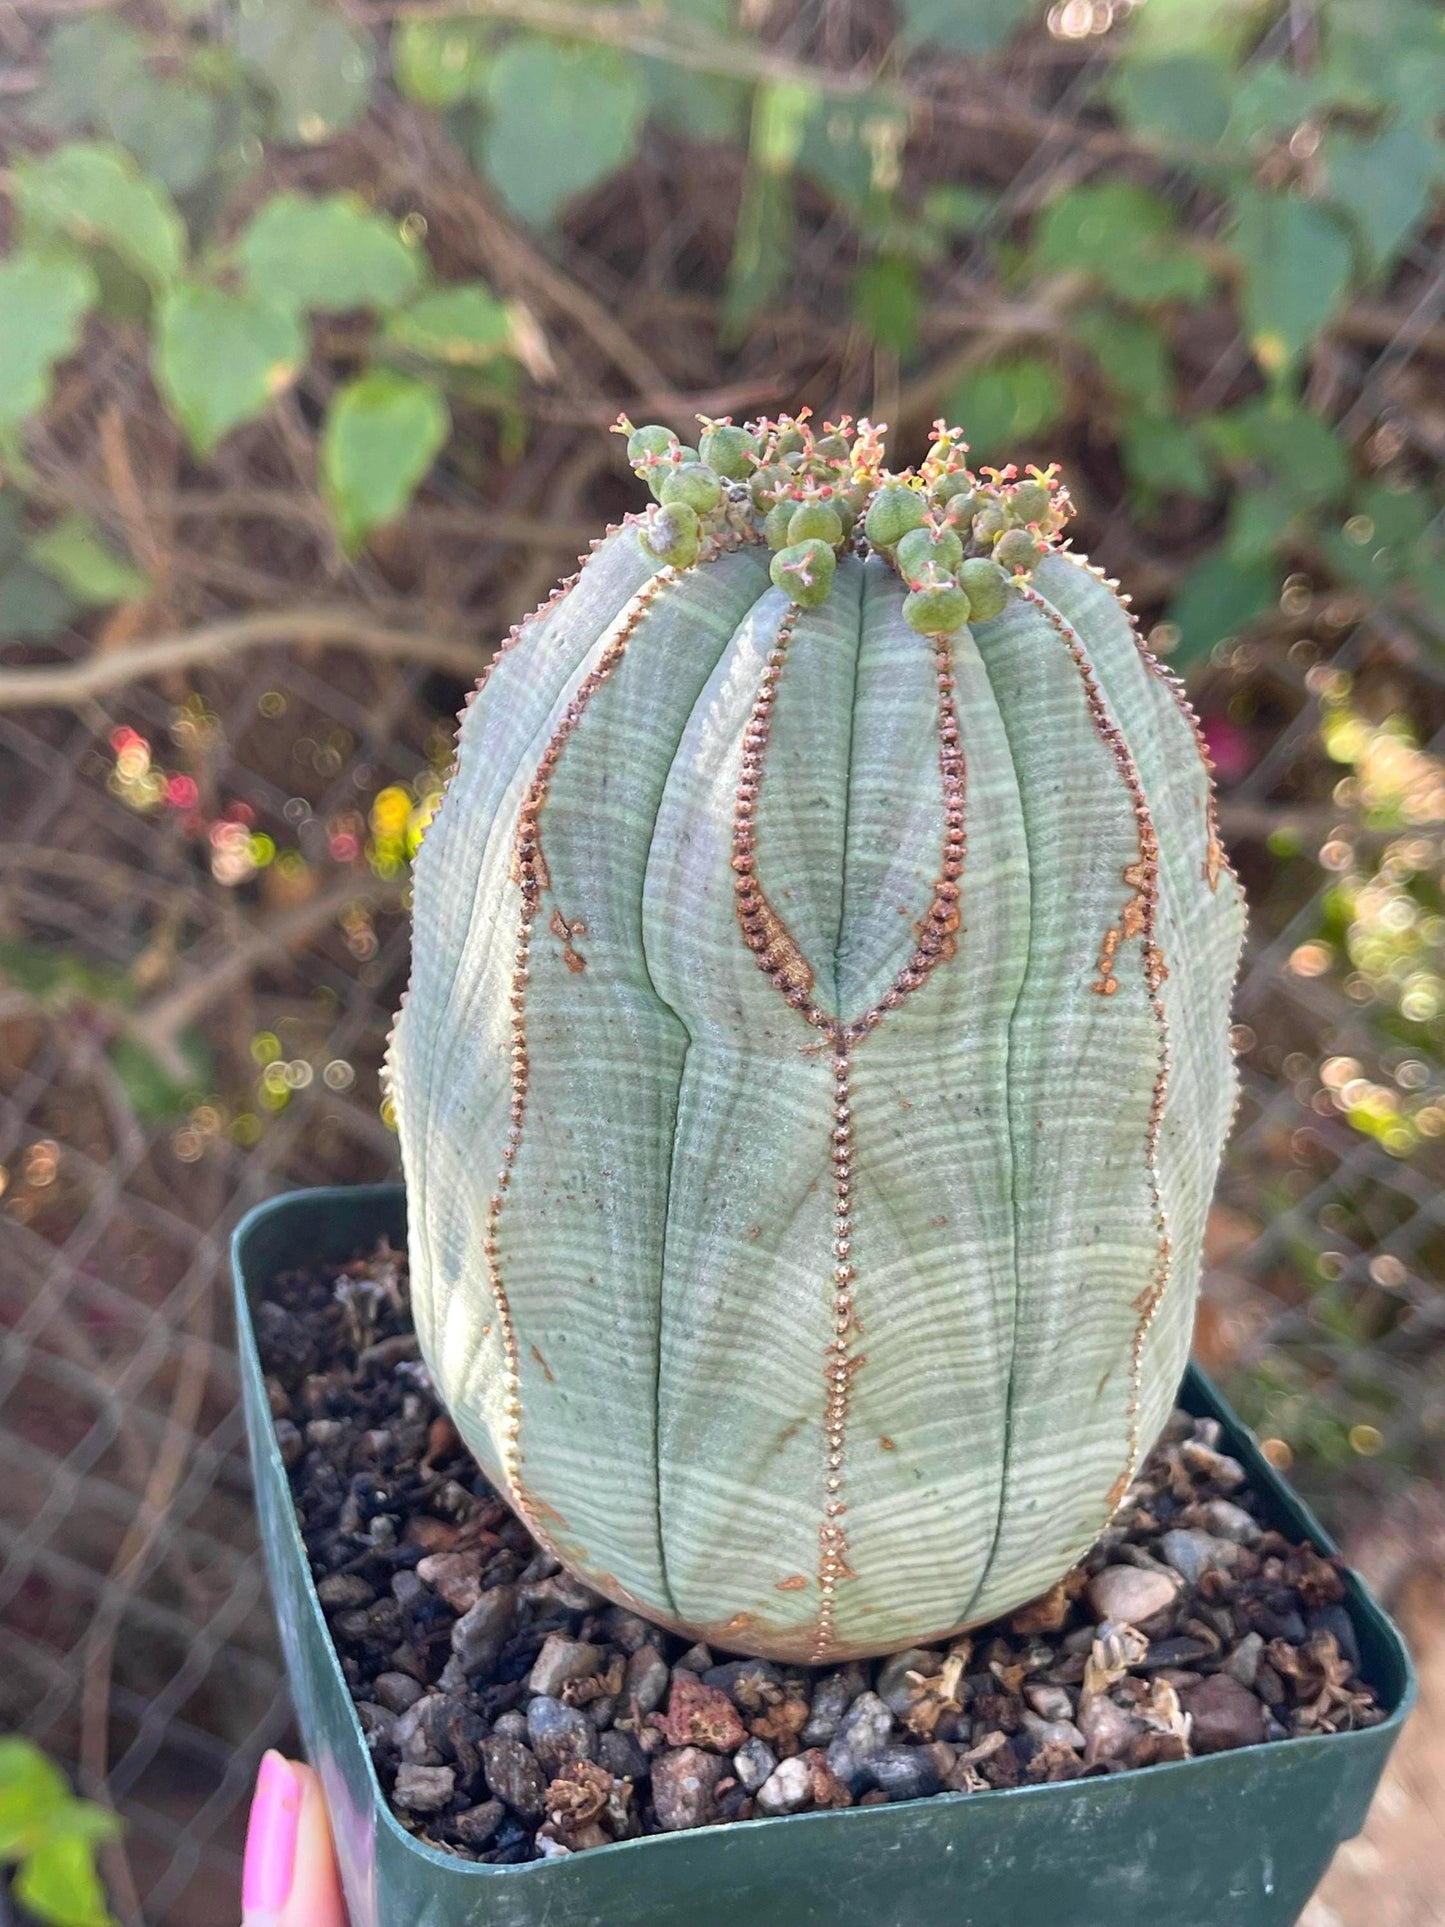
column 508, row 643
column 1216, row 857
column 529, row 872
column 1143, row 878
column 778, row 956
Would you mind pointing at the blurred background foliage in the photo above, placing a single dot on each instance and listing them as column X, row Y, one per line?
column 313, row 314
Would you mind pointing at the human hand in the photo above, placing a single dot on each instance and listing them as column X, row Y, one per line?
column 290, row 1877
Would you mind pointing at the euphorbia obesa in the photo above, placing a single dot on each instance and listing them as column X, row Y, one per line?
column 817, row 1057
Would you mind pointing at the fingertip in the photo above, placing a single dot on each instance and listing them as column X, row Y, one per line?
column 315, row 1899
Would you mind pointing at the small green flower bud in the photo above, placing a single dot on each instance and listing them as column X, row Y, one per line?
column 696, row 484
column 672, row 533
column 818, row 519
column 1016, row 549
column 894, row 510
column 1030, row 501
column 790, row 442
column 936, row 611
column 805, row 572
column 833, row 448
column 764, row 486
column 777, row 522
column 643, row 443
column 986, row 585
column 957, row 481
column 989, row 523
column 728, row 450
column 959, row 510
column 921, row 547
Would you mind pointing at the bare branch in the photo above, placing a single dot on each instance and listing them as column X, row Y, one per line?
column 73, row 682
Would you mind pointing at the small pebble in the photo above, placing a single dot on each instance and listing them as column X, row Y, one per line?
column 396, row 1691
column 1049, row 1702
column 684, row 1787
column 1226, row 1520
column 904, row 1773
column 1243, row 1662
column 1131, row 1593
column 1224, row 1714
column 423, row 1789
column 513, row 1775
column 865, row 1730
column 1193, row 1553
column 562, row 1659
column 788, row 1789
column 478, row 1635
column 892, row 1685
column 559, row 1735
column 646, row 1678
column 476, row 1827
column 753, row 1762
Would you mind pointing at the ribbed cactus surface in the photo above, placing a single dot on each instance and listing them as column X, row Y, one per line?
column 817, row 1060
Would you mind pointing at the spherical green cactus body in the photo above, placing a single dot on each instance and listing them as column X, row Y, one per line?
column 813, row 1081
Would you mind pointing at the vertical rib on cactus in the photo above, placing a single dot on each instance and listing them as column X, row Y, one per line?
column 816, row 1062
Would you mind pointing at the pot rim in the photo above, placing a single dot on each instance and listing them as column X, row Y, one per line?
column 1389, row 1658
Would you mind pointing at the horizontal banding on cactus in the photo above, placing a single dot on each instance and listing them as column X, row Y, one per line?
column 816, row 1063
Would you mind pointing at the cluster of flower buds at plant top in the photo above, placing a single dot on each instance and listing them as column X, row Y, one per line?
column 959, row 540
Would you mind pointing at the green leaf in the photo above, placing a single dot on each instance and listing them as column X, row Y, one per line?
column 440, row 62
column 958, row 209
column 1007, row 402
column 221, row 359
column 82, row 561
column 1181, row 97
column 33, row 605
column 1163, row 456
column 173, row 130
column 1124, row 237
column 318, row 71
column 1223, row 27
column 852, row 147
column 1393, row 50
column 1301, row 453
column 154, row 1094
column 562, row 119
column 43, row 303
column 1295, row 259
column 1217, row 598
column 977, row 27
column 94, row 193
column 1268, row 100
column 1385, row 185
column 1132, row 354
column 888, row 303
column 1259, row 520
column 700, row 107
column 383, row 431
column 32, row 1792
column 328, row 252
column 464, row 325
column 58, row 1883
column 88, row 63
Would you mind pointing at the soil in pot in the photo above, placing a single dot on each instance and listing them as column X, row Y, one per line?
column 515, row 1715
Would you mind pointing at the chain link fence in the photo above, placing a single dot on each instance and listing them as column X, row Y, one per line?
column 202, row 941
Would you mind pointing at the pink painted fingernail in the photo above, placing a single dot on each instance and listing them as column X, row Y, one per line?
column 271, row 1838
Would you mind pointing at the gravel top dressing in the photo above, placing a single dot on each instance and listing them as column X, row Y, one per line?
column 513, row 1714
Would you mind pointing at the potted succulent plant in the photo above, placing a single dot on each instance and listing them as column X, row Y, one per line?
column 811, row 1087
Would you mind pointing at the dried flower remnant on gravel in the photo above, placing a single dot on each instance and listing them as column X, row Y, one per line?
column 513, row 1714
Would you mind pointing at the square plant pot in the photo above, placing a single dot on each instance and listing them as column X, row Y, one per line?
column 1234, row 1839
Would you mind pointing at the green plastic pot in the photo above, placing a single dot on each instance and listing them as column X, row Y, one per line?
column 1230, row 1840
